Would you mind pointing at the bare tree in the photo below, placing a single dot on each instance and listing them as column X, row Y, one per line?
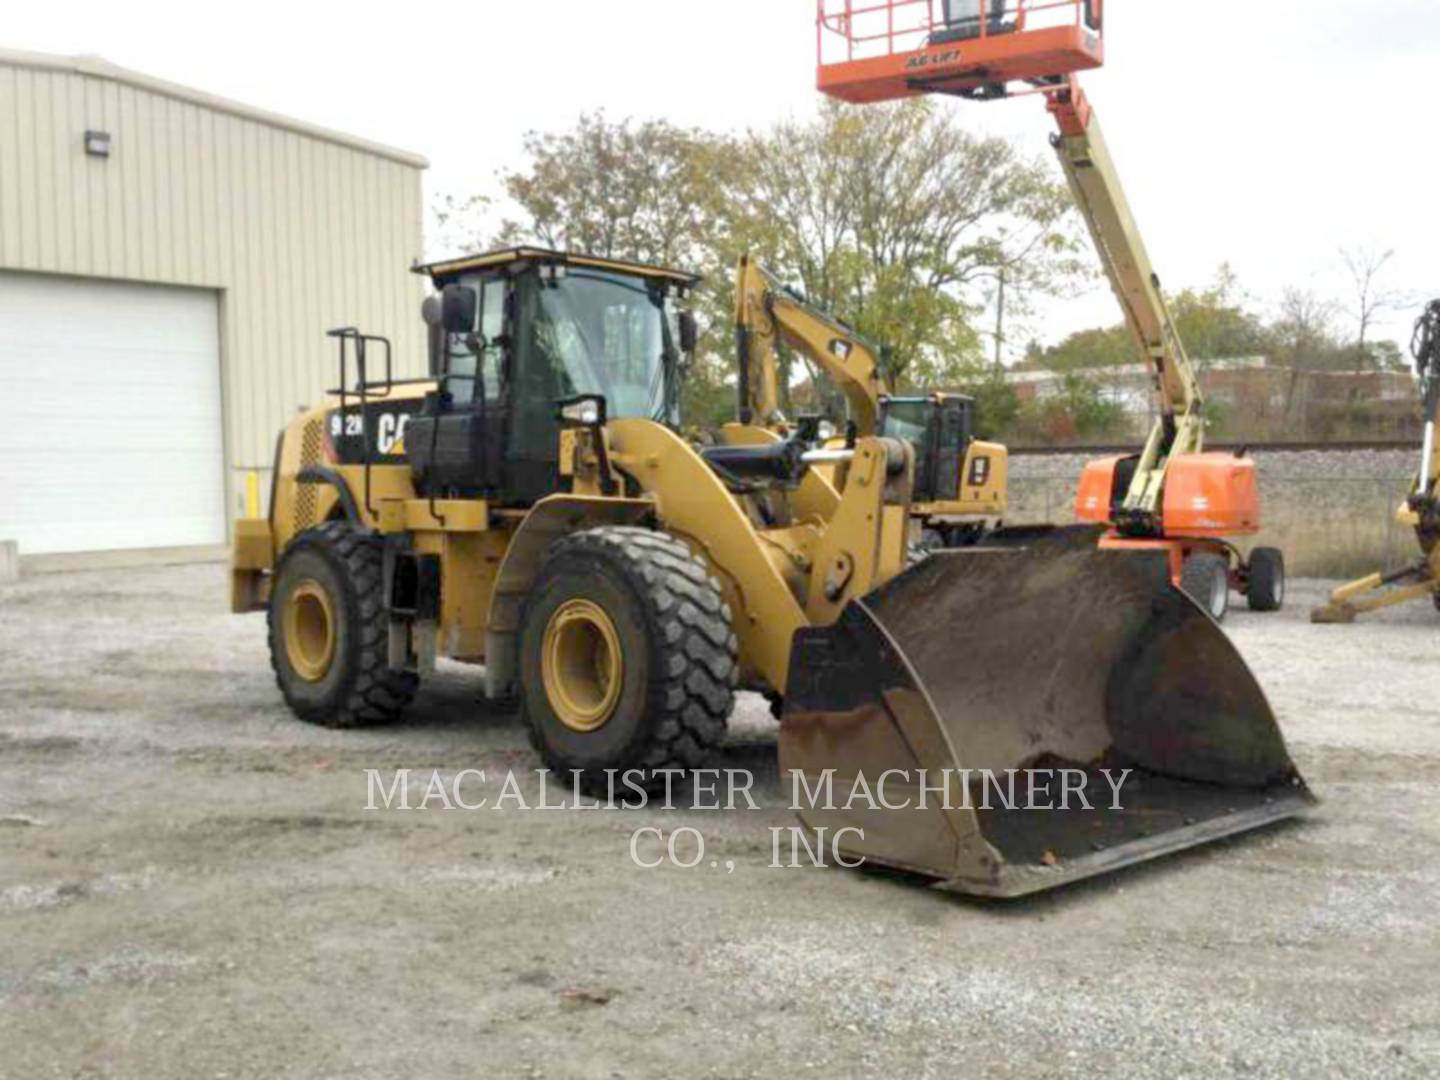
column 1369, row 299
column 1304, row 338
column 459, row 225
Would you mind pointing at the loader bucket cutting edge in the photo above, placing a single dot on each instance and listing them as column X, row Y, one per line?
column 1046, row 654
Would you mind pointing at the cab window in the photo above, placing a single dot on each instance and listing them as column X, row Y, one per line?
column 465, row 361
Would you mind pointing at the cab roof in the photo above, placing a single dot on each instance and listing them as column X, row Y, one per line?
column 440, row 272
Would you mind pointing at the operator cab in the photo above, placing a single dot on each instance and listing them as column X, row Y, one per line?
column 517, row 333
column 941, row 428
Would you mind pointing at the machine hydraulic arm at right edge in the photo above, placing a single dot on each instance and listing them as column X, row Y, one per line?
column 1420, row 510
column 1096, row 186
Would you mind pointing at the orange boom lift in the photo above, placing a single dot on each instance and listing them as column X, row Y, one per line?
column 1172, row 496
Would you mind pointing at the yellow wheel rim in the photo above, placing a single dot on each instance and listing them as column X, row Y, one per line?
column 309, row 630
column 582, row 665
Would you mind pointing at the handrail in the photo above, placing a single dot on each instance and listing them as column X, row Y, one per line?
column 345, row 335
column 851, row 21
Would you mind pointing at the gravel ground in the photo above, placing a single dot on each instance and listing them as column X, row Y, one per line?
column 191, row 886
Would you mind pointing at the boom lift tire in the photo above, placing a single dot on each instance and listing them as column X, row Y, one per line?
column 627, row 658
column 328, row 631
column 1265, row 587
column 1205, row 578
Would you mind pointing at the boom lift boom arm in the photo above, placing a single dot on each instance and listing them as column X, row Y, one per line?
column 1098, row 193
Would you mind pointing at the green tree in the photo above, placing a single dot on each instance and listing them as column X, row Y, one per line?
column 997, row 407
column 1085, row 350
column 893, row 217
column 899, row 219
column 1214, row 322
column 1385, row 356
column 649, row 191
column 621, row 189
column 1079, row 412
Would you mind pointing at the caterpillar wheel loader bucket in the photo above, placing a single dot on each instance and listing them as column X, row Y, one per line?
column 984, row 681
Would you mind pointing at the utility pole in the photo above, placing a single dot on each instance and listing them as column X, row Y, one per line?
column 1000, row 320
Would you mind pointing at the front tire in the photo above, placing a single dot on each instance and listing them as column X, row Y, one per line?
column 329, row 631
column 1205, row 578
column 627, row 657
column 1266, row 579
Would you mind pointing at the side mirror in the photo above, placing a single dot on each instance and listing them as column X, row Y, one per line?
column 458, row 307
column 689, row 332
column 430, row 311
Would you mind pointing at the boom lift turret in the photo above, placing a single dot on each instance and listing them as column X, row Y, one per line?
column 1172, row 496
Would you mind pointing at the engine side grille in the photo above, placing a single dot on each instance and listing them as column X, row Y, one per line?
column 310, row 449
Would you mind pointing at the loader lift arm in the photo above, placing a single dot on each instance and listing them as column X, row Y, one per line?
column 1098, row 193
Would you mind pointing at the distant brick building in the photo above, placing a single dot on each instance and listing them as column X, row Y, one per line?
column 1251, row 398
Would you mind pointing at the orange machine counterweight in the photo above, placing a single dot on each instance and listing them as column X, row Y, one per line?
column 1207, row 496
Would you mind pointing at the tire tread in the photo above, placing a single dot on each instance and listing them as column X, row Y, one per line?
column 692, row 632
column 1196, row 575
column 377, row 694
column 1266, row 572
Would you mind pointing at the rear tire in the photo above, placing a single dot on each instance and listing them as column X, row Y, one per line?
column 1205, row 578
column 627, row 657
column 329, row 630
column 1266, row 579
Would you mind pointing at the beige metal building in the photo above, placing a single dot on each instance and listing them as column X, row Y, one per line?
column 169, row 264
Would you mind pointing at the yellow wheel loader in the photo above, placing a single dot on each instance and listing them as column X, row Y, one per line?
column 532, row 508
column 960, row 481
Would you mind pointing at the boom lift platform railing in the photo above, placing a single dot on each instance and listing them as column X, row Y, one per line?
column 878, row 50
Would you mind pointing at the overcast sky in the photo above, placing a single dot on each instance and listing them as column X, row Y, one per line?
column 1271, row 140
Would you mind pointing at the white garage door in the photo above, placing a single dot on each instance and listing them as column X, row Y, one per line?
column 110, row 433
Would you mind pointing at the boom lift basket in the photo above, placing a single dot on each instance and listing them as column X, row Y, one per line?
column 880, row 50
